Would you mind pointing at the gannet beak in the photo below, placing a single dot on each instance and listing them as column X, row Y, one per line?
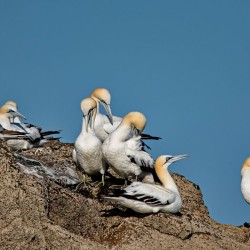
column 16, row 114
column 177, row 158
column 109, row 113
column 89, row 119
column 86, row 120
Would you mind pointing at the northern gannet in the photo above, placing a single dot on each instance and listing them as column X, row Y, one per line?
column 149, row 198
column 13, row 105
column 24, row 135
column 6, row 115
column 87, row 151
column 126, row 156
column 245, row 181
column 104, row 125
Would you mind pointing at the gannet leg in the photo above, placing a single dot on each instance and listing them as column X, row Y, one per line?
column 126, row 183
column 82, row 177
column 102, row 181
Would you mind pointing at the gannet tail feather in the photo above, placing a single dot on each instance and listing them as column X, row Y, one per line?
column 149, row 137
column 45, row 133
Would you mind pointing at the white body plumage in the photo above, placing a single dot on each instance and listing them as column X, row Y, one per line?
column 245, row 181
column 149, row 198
column 88, row 148
column 125, row 156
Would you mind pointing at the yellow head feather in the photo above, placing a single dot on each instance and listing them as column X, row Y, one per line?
column 87, row 104
column 12, row 104
column 136, row 119
column 101, row 94
column 246, row 163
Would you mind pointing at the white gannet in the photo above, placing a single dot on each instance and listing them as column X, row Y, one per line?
column 13, row 105
column 24, row 135
column 245, row 181
column 149, row 198
column 125, row 156
column 6, row 115
column 104, row 125
column 87, row 151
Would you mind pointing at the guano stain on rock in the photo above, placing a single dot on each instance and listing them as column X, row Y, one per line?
column 36, row 213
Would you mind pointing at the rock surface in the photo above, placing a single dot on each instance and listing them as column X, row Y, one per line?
column 38, row 213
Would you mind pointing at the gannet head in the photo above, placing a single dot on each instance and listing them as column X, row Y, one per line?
column 12, row 104
column 136, row 120
column 10, row 111
column 102, row 95
column 88, row 107
column 246, row 165
column 164, row 161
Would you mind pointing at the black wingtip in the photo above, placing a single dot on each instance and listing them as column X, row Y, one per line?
column 45, row 133
column 150, row 137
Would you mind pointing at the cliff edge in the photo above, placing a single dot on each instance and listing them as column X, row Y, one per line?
column 41, row 211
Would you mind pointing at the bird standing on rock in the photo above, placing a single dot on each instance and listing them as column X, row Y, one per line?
column 126, row 156
column 87, row 151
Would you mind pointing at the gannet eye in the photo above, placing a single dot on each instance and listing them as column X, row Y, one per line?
column 168, row 158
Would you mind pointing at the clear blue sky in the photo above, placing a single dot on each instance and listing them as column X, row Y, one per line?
column 184, row 64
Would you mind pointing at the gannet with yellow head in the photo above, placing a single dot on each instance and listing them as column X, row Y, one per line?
column 149, row 198
column 125, row 156
column 87, row 151
column 104, row 125
column 7, row 130
column 8, row 113
column 13, row 105
column 23, row 135
column 245, row 181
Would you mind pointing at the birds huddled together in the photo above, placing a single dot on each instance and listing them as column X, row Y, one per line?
column 21, row 135
column 111, row 141
column 108, row 141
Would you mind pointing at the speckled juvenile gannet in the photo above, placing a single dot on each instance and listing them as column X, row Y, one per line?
column 149, row 198
column 125, row 156
column 87, row 152
column 245, row 181
column 34, row 137
column 104, row 125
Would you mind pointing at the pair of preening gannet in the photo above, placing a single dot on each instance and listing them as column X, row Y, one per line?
column 116, row 142
column 20, row 135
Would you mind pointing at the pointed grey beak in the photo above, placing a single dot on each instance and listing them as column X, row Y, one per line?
column 177, row 158
column 89, row 120
column 16, row 114
column 109, row 113
column 86, row 120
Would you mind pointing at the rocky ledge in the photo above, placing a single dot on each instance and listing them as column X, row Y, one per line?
column 41, row 209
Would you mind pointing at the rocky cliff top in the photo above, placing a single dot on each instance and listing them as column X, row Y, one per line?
column 41, row 209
